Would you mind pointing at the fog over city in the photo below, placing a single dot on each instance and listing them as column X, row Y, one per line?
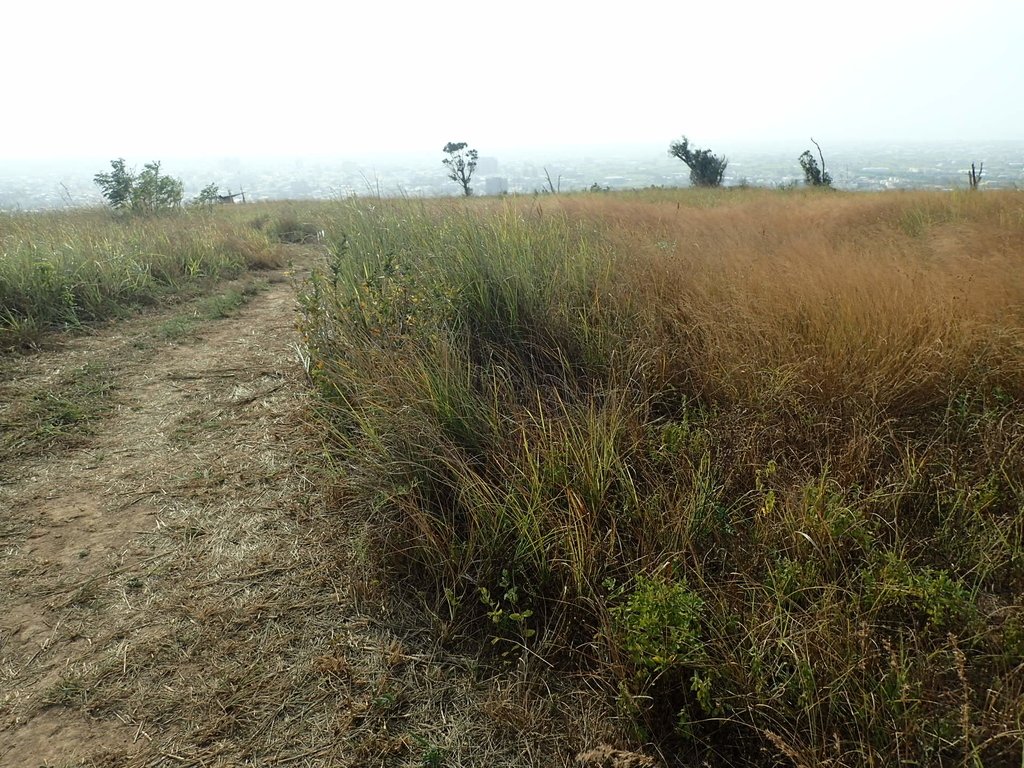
column 357, row 96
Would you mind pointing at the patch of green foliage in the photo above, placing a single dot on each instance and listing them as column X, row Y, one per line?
column 706, row 168
column 61, row 270
column 146, row 192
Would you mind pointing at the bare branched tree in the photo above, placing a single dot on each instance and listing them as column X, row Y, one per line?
column 974, row 176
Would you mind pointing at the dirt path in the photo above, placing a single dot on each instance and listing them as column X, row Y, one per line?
column 188, row 476
column 172, row 591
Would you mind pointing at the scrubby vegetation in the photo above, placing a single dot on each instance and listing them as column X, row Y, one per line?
column 142, row 193
column 749, row 463
column 59, row 270
column 706, row 168
column 752, row 462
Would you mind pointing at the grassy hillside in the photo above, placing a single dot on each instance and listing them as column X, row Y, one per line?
column 752, row 462
column 59, row 270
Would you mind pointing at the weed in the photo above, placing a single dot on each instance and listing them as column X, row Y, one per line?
column 221, row 305
column 433, row 757
column 176, row 328
column 505, row 612
column 660, row 624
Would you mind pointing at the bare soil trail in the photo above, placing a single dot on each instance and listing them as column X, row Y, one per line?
column 133, row 564
column 172, row 589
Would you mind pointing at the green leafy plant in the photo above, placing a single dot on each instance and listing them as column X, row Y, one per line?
column 505, row 610
column 935, row 595
column 660, row 624
column 815, row 175
column 146, row 192
column 117, row 186
column 207, row 196
column 706, row 168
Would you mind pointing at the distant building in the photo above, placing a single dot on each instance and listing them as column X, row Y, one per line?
column 229, row 198
column 495, row 185
column 487, row 166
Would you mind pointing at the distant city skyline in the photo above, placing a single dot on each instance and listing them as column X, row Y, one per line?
column 55, row 183
column 115, row 78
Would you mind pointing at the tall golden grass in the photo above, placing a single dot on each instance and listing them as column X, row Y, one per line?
column 752, row 460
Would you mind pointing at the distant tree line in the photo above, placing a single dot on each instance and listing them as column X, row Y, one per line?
column 150, row 190
column 706, row 168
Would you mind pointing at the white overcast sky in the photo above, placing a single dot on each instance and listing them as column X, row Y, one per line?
column 170, row 79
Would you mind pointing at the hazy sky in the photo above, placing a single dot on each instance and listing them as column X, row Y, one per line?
column 156, row 80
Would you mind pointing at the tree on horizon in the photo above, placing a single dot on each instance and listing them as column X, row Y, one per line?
column 706, row 168
column 813, row 175
column 461, row 162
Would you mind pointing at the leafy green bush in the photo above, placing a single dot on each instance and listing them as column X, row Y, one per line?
column 145, row 192
column 660, row 625
column 706, row 168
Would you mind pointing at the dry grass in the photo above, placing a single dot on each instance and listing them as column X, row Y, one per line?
column 175, row 591
column 875, row 296
column 752, row 461
column 731, row 478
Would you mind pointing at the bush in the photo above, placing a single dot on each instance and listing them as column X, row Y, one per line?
column 146, row 192
column 815, row 175
column 706, row 169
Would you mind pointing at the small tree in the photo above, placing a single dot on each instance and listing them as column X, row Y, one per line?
column 706, row 169
column 145, row 192
column 813, row 175
column 207, row 196
column 461, row 162
column 155, row 192
column 117, row 185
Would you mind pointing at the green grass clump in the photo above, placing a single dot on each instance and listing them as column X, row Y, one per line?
column 60, row 270
column 754, row 462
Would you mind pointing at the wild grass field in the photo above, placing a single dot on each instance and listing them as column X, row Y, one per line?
column 61, row 270
column 746, row 465
column 750, row 463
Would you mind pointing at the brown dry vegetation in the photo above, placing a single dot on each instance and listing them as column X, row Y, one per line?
column 173, row 590
column 751, row 462
column 726, row 477
column 876, row 296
